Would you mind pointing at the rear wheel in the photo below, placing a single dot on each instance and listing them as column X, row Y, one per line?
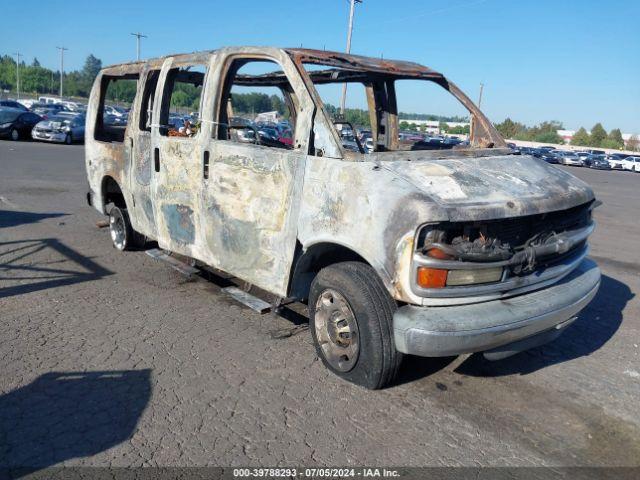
column 123, row 236
column 15, row 135
column 351, row 316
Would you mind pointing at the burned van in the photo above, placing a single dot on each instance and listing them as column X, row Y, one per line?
column 421, row 243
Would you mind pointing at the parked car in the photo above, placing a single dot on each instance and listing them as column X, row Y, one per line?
column 27, row 102
column 548, row 156
column 17, row 124
column 631, row 163
column 421, row 252
column 285, row 135
column 615, row 161
column 13, row 104
column 368, row 144
column 60, row 129
column 568, row 158
column 46, row 110
column 583, row 156
column 115, row 111
column 513, row 146
column 598, row 162
column 75, row 106
column 49, row 100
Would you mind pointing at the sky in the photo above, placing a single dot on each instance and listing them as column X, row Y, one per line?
column 575, row 61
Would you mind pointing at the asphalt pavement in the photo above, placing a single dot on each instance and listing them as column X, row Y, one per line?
column 115, row 359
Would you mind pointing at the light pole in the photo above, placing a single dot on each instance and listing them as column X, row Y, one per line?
column 18, row 55
column 349, row 32
column 480, row 96
column 62, row 50
column 138, row 37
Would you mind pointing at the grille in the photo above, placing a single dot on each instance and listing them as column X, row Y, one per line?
column 515, row 231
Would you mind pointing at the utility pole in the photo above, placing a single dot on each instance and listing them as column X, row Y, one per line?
column 138, row 37
column 480, row 97
column 62, row 50
column 349, row 32
column 18, row 55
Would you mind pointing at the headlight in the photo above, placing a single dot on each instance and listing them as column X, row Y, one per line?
column 5, row 125
column 439, row 278
column 471, row 277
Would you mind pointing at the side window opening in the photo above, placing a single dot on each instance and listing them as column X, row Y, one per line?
column 180, row 112
column 354, row 126
column 257, row 105
column 117, row 94
column 429, row 117
column 148, row 95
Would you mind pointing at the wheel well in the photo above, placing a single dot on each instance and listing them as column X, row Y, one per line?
column 308, row 263
column 111, row 193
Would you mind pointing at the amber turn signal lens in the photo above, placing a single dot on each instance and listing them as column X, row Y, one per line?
column 431, row 277
column 439, row 254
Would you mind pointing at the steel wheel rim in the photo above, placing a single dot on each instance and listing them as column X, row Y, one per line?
column 336, row 330
column 14, row 134
column 118, row 231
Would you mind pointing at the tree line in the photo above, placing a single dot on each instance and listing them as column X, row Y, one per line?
column 36, row 79
column 546, row 132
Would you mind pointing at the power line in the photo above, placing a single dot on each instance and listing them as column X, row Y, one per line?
column 62, row 50
column 18, row 55
column 138, row 36
column 349, row 33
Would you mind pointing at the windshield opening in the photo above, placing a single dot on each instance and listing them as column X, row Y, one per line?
column 390, row 111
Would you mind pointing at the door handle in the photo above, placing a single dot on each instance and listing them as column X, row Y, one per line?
column 156, row 159
column 205, row 164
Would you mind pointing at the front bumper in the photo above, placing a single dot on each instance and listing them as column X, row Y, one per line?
column 455, row 330
column 58, row 137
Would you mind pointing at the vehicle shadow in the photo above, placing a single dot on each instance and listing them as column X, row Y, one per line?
column 595, row 325
column 66, row 415
column 12, row 218
column 38, row 264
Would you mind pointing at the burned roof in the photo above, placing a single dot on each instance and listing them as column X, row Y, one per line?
column 347, row 65
column 399, row 68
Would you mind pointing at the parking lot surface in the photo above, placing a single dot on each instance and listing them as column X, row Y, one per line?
column 115, row 359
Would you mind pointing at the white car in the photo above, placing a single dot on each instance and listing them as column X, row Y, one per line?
column 115, row 111
column 631, row 163
column 368, row 145
column 60, row 129
column 616, row 163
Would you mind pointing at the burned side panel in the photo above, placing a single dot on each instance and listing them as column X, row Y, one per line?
column 250, row 204
column 368, row 210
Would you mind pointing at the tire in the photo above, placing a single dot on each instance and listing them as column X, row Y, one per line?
column 361, row 349
column 123, row 236
column 68, row 139
column 14, row 135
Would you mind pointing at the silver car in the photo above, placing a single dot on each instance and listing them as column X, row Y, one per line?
column 60, row 129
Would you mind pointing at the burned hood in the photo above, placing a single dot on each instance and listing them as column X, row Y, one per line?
column 491, row 187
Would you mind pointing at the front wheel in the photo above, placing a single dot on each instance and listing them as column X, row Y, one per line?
column 15, row 135
column 123, row 236
column 351, row 324
column 68, row 139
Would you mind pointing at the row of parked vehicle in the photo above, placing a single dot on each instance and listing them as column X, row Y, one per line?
column 596, row 159
column 49, row 121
